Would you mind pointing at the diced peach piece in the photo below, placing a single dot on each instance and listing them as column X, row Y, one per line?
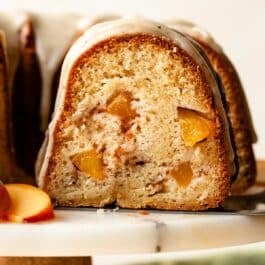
column 121, row 106
column 28, row 204
column 182, row 174
column 89, row 162
column 5, row 201
column 194, row 127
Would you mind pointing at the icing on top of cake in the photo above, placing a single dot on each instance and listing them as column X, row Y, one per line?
column 194, row 31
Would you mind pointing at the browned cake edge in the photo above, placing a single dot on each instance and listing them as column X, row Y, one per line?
column 239, row 116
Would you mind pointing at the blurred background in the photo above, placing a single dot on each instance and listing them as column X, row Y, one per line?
column 238, row 25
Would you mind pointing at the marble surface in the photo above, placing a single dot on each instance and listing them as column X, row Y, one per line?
column 247, row 254
column 91, row 232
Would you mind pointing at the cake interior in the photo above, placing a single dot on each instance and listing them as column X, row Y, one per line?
column 139, row 127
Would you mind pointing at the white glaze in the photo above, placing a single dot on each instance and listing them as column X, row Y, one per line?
column 194, row 31
column 86, row 22
column 106, row 30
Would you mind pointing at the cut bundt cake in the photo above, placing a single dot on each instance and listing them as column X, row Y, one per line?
column 138, row 121
column 238, row 111
column 30, row 72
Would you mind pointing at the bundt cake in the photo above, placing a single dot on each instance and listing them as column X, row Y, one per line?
column 241, row 123
column 138, row 121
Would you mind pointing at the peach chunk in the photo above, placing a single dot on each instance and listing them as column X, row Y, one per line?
column 182, row 174
column 194, row 127
column 89, row 162
column 5, row 201
column 28, row 204
column 120, row 106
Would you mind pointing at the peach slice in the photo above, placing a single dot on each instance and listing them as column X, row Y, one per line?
column 28, row 204
column 182, row 174
column 5, row 201
column 89, row 162
column 121, row 106
column 194, row 127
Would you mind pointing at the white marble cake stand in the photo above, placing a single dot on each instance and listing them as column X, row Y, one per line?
column 91, row 232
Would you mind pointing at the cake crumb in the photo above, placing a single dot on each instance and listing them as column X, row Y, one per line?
column 143, row 212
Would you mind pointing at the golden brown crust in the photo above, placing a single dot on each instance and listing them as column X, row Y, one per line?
column 206, row 97
column 240, row 118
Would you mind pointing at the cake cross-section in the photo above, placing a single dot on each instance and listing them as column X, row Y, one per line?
column 138, row 122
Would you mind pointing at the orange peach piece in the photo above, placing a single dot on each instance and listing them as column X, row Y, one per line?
column 28, row 204
column 194, row 127
column 5, row 201
column 182, row 174
column 89, row 162
column 121, row 106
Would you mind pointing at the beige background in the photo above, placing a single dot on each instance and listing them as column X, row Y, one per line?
column 239, row 25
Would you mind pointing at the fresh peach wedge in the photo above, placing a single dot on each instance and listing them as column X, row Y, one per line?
column 28, row 204
column 5, row 201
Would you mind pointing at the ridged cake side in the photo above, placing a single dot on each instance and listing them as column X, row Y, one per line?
column 239, row 115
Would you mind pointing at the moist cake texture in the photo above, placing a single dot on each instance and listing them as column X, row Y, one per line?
column 138, row 121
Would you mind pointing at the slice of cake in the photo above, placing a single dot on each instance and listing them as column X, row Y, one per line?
column 138, row 121
column 238, row 111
